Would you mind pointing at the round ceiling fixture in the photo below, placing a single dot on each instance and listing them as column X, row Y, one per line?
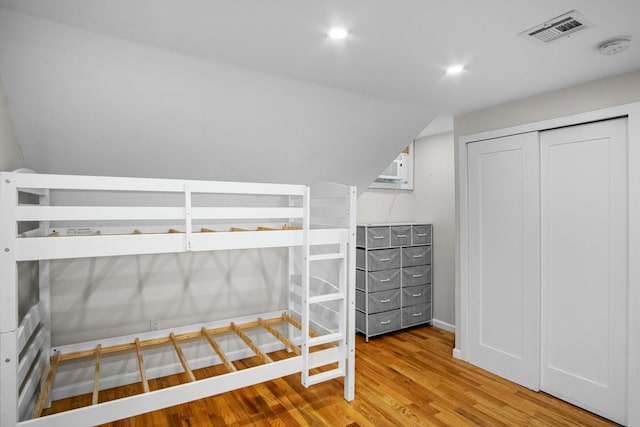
column 455, row 69
column 611, row 47
column 337, row 33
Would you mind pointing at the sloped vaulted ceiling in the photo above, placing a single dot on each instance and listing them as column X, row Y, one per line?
column 88, row 103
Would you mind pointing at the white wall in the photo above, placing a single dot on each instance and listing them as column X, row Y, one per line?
column 434, row 198
column 572, row 100
column 432, row 201
column 104, row 297
column 563, row 102
column 10, row 154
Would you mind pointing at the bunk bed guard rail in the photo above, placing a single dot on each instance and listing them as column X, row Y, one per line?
column 314, row 220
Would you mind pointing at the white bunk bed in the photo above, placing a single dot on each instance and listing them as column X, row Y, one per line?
column 38, row 224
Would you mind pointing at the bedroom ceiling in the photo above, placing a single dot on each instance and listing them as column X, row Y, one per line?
column 395, row 50
column 396, row 53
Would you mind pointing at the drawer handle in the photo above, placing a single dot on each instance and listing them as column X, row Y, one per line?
column 417, row 314
column 385, row 259
column 378, row 237
column 385, row 280
column 385, row 322
column 422, row 234
column 401, row 236
column 417, row 295
column 415, row 276
column 385, row 300
column 418, row 256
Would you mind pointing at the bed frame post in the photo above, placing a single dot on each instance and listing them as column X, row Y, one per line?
column 291, row 271
column 45, row 300
column 8, row 379
column 187, row 216
column 306, row 201
column 8, row 301
column 350, row 378
column 8, row 267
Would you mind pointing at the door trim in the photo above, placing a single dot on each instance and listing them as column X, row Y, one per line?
column 632, row 112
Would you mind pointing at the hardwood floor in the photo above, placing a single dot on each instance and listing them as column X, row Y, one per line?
column 403, row 379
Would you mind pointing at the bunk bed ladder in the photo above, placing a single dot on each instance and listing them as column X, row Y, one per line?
column 336, row 295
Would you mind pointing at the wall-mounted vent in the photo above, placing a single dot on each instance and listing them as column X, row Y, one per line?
column 557, row 28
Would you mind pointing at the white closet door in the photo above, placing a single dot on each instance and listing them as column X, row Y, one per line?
column 504, row 254
column 584, row 261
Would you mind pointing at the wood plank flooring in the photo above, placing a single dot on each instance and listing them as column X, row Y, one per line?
column 403, row 379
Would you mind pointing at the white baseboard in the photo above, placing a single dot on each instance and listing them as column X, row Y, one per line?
column 457, row 354
column 444, row 325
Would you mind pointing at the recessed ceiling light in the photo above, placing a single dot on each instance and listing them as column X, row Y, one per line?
column 337, row 33
column 455, row 69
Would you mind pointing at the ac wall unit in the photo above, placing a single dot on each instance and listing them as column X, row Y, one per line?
column 393, row 172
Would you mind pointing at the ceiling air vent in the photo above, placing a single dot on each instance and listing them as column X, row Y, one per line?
column 557, row 28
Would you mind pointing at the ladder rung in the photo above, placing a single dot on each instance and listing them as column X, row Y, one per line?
column 324, row 339
column 326, row 297
column 322, row 257
column 324, row 376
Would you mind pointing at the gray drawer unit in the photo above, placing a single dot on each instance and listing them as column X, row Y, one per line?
column 416, row 255
column 376, row 302
column 416, row 295
column 400, row 235
column 416, row 315
column 421, row 234
column 379, row 259
column 393, row 277
column 378, row 280
column 373, row 237
column 413, row 276
column 379, row 323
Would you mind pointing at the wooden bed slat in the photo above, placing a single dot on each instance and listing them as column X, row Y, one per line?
column 147, row 343
column 44, row 394
column 183, row 360
column 218, row 351
column 295, row 323
column 143, row 372
column 96, row 377
column 291, row 346
column 292, row 321
column 251, row 344
column 291, row 227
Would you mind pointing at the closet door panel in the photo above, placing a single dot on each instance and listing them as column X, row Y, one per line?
column 504, row 257
column 583, row 176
